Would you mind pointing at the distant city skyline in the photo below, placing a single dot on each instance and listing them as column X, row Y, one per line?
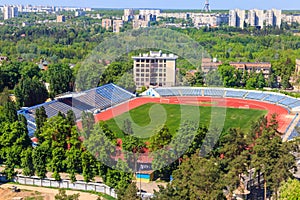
column 167, row 4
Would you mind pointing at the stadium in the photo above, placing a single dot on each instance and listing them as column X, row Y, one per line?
column 109, row 101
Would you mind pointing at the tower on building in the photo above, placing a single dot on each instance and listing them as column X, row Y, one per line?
column 206, row 6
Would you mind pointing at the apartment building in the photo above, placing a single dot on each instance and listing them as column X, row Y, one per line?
column 117, row 25
column 256, row 18
column 212, row 19
column 210, row 65
column 237, row 18
column 154, row 68
column 273, row 17
column 257, row 67
column 10, row 12
column 106, row 23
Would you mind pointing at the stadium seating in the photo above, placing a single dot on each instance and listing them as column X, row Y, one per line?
column 274, row 98
column 255, row 95
column 213, row 92
column 294, row 133
column 287, row 101
column 97, row 98
column 235, row 93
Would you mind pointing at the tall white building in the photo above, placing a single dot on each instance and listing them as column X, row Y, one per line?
column 155, row 69
column 273, row 18
column 237, row 18
column 256, row 18
column 10, row 12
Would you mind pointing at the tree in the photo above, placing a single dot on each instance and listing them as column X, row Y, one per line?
column 71, row 118
column 160, row 139
column 127, row 128
column 88, row 122
column 272, row 157
column 290, row 190
column 30, row 92
column 60, row 78
column 230, row 76
column 186, row 184
column 213, row 78
column 130, row 193
column 40, row 119
column 39, row 158
column 10, row 112
column 119, row 178
column 88, row 166
column 27, row 162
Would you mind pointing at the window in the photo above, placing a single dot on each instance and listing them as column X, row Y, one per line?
column 138, row 60
column 142, row 60
column 137, row 79
column 137, row 70
column 142, row 70
column 147, row 70
column 137, row 65
column 147, row 60
column 142, row 65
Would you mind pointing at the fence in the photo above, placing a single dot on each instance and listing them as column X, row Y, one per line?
column 67, row 184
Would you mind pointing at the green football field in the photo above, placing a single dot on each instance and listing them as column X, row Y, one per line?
column 148, row 117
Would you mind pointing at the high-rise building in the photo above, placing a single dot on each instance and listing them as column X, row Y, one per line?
column 237, row 18
column 256, row 18
column 117, row 25
column 154, row 69
column 10, row 12
column 273, row 18
column 128, row 14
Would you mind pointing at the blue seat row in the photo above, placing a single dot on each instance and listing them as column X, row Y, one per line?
column 235, row 93
column 214, row 92
column 274, row 98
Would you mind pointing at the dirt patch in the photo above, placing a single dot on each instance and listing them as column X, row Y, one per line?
column 39, row 193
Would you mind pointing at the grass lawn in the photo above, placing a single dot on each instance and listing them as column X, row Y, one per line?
column 148, row 117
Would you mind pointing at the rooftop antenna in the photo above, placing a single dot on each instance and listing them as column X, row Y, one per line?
column 206, row 6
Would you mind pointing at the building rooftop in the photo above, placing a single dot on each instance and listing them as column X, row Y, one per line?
column 155, row 54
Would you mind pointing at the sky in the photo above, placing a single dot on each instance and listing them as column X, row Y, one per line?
column 166, row 4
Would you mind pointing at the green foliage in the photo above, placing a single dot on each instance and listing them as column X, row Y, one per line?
column 290, row 190
column 130, row 193
column 88, row 166
column 60, row 77
column 39, row 157
column 161, row 138
column 27, row 162
column 10, row 112
column 30, row 92
column 88, row 121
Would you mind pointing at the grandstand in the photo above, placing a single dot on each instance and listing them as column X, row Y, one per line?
column 99, row 98
column 292, row 104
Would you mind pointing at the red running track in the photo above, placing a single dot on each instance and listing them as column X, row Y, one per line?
column 284, row 118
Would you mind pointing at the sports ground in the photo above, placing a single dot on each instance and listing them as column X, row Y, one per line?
column 240, row 113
